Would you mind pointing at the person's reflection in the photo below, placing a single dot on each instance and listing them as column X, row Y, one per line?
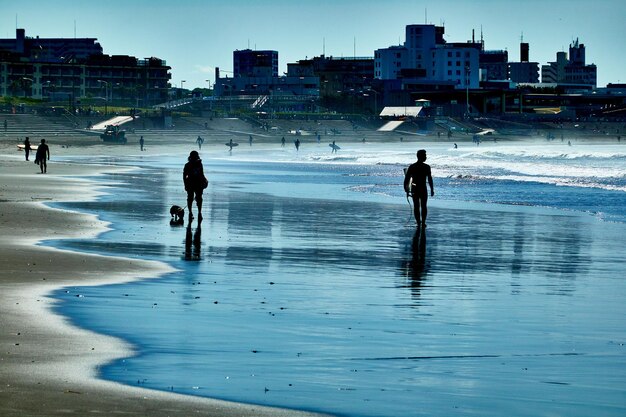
column 193, row 243
column 416, row 267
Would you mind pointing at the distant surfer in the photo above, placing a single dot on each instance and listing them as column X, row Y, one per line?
column 195, row 182
column 333, row 147
column 230, row 144
column 456, row 146
column 415, row 180
column 27, row 147
column 42, row 155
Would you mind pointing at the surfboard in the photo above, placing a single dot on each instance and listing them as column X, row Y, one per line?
column 335, row 147
column 22, row 147
column 231, row 144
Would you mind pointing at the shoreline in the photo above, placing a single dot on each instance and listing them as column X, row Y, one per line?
column 48, row 366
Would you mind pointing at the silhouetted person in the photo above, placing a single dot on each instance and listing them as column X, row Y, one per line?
column 141, row 142
column 282, row 142
column 250, row 140
column 297, row 143
column 415, row 185
column 195, row 182
column 200, row 141
column 42, row 155
column 230, row 145
column 27, row 147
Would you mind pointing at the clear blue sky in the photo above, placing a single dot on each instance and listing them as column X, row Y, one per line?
column 195, row 36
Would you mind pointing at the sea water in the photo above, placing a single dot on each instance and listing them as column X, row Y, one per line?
column 308, row 286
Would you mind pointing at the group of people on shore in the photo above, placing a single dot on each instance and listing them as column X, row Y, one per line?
column 42, row 154
column 416, row 178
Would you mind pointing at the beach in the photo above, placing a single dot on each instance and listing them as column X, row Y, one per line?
column 48, row 367
column 309, row 288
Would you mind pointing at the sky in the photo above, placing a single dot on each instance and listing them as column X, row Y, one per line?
column 195, row 36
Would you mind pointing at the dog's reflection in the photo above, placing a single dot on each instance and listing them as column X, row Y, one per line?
column 193, row 243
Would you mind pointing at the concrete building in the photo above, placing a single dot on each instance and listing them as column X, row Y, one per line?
column 494, row 65
column 389, row 62
column 426, row 59
column 458, row 64
column 249, row 63
column 572, row 70
column 35, row 68
column 524, row 71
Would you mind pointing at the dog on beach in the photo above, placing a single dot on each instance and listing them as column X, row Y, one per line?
column 178, row 215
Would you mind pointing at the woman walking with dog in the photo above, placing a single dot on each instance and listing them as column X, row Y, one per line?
column 195, row 182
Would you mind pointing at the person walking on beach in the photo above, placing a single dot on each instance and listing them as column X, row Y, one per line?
column 27, row 147
column 199, row 141
column 297, row 144
column 43, row 152
column 195, row 182
column 415, row 180
column 282, row 142
column 141, row 142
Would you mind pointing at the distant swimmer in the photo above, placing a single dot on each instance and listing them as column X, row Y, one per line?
column 415, row 180
column 456, row 146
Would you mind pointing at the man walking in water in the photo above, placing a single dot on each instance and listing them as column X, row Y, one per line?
column 415, row 185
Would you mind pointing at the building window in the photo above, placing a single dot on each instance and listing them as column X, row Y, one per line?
column 458, row 63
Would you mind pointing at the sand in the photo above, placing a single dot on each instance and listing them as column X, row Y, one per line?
column 47, row 366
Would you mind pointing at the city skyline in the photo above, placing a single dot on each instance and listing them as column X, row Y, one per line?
column 196, row 36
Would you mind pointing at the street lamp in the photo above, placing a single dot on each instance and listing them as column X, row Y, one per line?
column 106, row 96
column 31, row 85
column 467, row 79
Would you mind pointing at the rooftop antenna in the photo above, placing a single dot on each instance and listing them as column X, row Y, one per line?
column 482, row 42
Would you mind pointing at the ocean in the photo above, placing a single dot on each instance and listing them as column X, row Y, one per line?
column 307, row 285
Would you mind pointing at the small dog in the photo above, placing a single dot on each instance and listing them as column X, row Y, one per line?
column 178, row 215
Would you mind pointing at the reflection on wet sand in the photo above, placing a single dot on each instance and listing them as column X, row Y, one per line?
column 415, row 266
column 193, row 243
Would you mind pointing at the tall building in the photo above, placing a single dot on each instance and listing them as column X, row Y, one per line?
column 524, row 71
column 389, row 62
column 426, row 59
column 572, row 70
column 249, row 63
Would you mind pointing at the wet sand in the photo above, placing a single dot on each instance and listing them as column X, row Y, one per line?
column 47, row 367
